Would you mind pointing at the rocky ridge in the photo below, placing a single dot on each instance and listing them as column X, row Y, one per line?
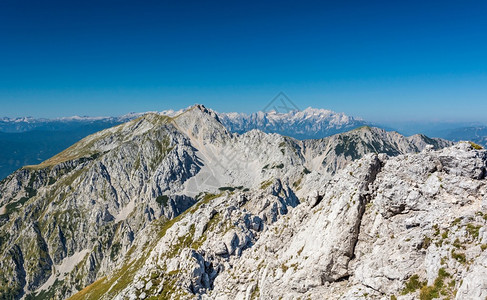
column 384, row 227
column 178, row 202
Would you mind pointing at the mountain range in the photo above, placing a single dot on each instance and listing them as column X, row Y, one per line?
column 25, row 124
column 25, row 141
column 310, row 123
column 180, row 207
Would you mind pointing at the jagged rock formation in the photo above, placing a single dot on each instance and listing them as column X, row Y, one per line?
column 405, row 227
column 181, row 207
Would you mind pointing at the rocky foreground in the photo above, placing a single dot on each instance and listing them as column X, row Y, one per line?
column 407, row 227
column 180, row 208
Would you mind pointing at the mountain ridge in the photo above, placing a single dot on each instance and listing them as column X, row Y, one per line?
column 28, row 140
column 135, row 183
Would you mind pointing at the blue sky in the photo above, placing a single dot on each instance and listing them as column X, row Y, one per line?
column 379, row 60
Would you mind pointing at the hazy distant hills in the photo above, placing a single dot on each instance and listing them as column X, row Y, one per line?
column 459, row 131
column 26, row 141
column 16, row 125
column 476, row 134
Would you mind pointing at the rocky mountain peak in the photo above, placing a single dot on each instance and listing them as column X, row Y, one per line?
column 177, row 206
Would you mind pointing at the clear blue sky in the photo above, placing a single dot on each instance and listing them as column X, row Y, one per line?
column 379, row 60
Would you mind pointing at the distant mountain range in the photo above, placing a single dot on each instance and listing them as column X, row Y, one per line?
column 477, row 134
column 454, row 131
column 27, row 140
column 310, row 123
column 24, row 124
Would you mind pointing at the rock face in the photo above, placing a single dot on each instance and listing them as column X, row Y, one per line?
column 407, row 226
column 179, row 207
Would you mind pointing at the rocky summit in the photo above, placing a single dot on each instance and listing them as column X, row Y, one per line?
column 181, row 207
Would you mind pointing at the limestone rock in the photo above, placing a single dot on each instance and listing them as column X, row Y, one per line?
column 179, row 207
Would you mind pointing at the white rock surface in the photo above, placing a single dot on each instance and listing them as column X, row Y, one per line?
column 179, row 207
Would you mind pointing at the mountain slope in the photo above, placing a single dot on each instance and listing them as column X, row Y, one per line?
column 412, row 225
column 381, row 228
column 139, row 186
column 93, row 187
column 338, row 150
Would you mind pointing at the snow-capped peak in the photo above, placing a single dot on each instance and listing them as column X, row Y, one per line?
column 308, row 123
